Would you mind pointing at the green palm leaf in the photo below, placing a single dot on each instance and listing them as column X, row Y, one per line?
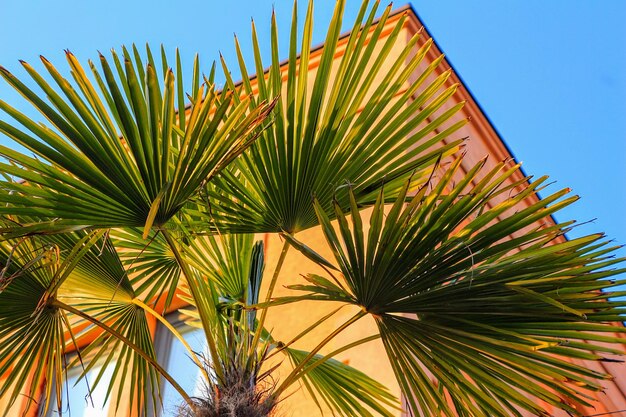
column 130, row 371
column 99, row 286
column 32, row 341
column 361, row 123
column 151, row 265
column 115, row 153
column 222, row 274
column 33, row 325
column 344, row 389
column 155, row 273
column 58, row 289
column 227, row 276
column 226, row 261
column 476, row 296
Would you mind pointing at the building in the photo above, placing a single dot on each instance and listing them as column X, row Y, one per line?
column 484, row 140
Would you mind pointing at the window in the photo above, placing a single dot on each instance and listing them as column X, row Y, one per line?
column 173, row 356
column 80, row 403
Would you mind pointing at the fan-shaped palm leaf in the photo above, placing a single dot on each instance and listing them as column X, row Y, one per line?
column 225, row 260
column 235, row 282
column 57, row 289
column 33, row 325
column 362, row 123
column 151, row 265
column 474, row 301
column 117, row 154
column 32, row 341
column 99, row 287
column 221, row 275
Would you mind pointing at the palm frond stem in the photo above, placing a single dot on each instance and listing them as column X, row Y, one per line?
column 336, row 352
column 174, row 332
column 184, row 267
column 129, row 343
column 295, row 373
column 283, row 346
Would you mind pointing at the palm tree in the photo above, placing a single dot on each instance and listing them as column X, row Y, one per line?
column 138, row 195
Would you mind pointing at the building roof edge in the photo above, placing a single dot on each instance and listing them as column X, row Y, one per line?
column 409, row 7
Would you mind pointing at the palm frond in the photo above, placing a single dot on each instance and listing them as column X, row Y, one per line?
column 114, row 153
column 155, row 273
column 35, row 329
column 130, row 371
column 219, row 306
column 32, row 340
column 100, row 288
column 150, row 263
column 226, row 261
column 479, row 293
column 361, row 124
column 55, row 288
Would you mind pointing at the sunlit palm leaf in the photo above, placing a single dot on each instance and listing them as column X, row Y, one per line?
column 344, row 389
column 32, row 340
column 133, row 377
column 227, row 276
column 47, row 280
column 475, row 302
column 151, row 265
column 362, row 123
column 232, row 267
column 225, row 260
column 114, row 153
column 33, row 328
column 99, row 286
column 225, row 273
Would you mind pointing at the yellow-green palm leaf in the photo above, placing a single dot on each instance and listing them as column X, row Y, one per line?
column 122, row 150
column 478, row 306
column 358, row 121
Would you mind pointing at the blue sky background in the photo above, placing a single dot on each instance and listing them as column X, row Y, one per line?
column 549, row 74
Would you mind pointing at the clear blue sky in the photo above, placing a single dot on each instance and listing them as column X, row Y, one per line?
column 549, row 74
